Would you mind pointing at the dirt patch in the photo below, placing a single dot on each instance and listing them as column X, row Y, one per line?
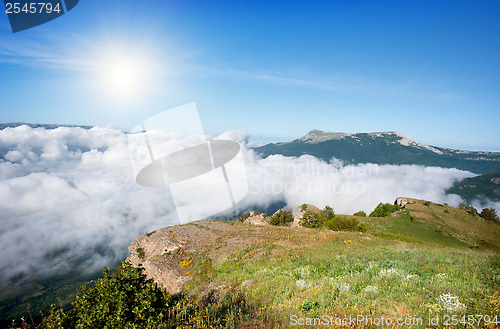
column 421, row 215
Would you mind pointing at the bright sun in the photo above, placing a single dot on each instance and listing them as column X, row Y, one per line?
column 123, row 75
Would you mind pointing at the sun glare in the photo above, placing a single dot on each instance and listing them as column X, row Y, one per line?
column 123, row 75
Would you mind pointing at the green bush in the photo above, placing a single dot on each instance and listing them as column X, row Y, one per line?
column 344, row 223
column 317, row 220
column 360, row 214
column 308, row 305
column 384, row 210
column 123, row 300
column 282, row 218
column 310, row 219
column 326, row 218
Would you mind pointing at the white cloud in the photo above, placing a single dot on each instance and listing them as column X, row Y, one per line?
column 346, row 188
column 69, row 195
column 70, row 192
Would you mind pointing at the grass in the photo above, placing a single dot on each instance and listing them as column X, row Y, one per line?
column 346, row 273
column 439, row 225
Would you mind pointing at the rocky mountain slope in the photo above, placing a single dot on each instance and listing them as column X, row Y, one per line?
column 382, row 148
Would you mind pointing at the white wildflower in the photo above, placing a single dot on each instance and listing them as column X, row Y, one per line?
column 451, row 303
column 441, row 276
column 304, row 272
column 409, row 277
column 332, row 281
column 390, row 273
column 371, row 289
column 302, row 284
column 344, row 286
column 246, row 283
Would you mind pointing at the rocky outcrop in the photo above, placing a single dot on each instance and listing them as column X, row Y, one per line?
column 402, row 202
column 301, row 210
column 171, row 256
column 257, row 219
column 151, row 252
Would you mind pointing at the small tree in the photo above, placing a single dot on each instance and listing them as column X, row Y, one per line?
column 360, row 214
column 490, row 214
column 471, row 210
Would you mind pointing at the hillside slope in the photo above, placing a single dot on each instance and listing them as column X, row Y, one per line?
column 425, row 260
column 382, row 148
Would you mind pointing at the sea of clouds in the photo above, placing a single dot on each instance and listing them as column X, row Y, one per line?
column 69, row 196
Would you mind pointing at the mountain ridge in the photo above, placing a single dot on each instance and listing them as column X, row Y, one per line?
column 382, row 148
column 41, row 125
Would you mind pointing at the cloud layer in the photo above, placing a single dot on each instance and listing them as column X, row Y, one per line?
column 69, row 196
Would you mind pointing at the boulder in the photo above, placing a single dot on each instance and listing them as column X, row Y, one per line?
column 257, row 219
column 402, row 202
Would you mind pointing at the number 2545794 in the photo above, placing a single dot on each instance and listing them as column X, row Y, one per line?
column 31, row 8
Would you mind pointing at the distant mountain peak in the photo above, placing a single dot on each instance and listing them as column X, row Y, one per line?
column 316, row 136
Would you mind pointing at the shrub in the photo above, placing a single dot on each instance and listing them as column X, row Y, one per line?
column 243, row 217
column 360, row 214
column 384, row 210
column 308, row 305
column 124, row 300
column 326, row 218
column 303, row 207
column 317, row 220
column 490, row 214
column 344, row 223
column 281, row 218
column 311, row 220
column 140, row 253
column 427, row 203
column 462, row 205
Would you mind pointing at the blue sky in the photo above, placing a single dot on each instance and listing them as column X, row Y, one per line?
column 427, row 69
